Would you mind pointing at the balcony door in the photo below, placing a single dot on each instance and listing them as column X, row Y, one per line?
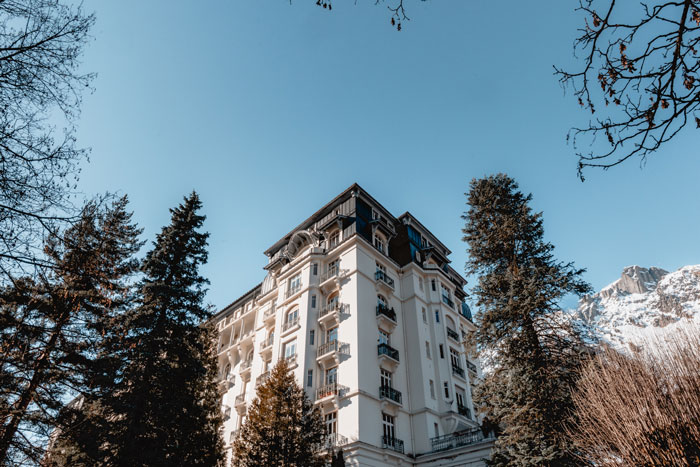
column 388, row 426
column 385, row 378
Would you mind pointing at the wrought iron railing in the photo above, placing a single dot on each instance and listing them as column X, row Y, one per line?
column 459, row 371
column 452, row 334
column 332, row 346
column 384, row 277
column 262, row 378
column 386, row 311
column 332, row 389
column 471, row 367
column 330, row 308
column 389, row 442
column 455, row 440
column 389, row 351
column 388, row 392
column 330, row 272
column 335, row 440
column 464, row 410
column 293, row 290
column 447, row 301
column 290, row 323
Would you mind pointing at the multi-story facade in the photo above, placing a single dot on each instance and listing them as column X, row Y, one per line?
column 368, row 311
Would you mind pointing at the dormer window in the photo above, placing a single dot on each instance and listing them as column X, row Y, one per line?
column 379, row 242
column 334, row 239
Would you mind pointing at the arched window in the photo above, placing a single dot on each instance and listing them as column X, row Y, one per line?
column 450, row 323
column 332, row 302
column 379, row 242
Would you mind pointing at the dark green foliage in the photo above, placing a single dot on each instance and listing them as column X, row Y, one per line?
column 535, row 355
column 50, row 324
column 165, row 407
column 282, row 428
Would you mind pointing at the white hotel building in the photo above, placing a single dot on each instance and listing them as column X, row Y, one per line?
column 368, row 310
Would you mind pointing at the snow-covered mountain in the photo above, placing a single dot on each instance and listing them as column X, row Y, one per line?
column 642, row 302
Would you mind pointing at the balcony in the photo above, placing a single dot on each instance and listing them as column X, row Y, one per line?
column 292, row 290
column 459, row 371
column 246, row 337
column 335, row 440
column 331, row 273
column 290, row 323
column 227, row 412
column 330, row 351
column 464, row 410
column 472, row 368
column 291, row 360
column 245, row 366
column 332, row 389
column 269, row 314
column 448, row 301
column 387, row 392
column 384, row 280
column 457, row 439
column 389, row 442
column 266, row 345
column 262, row 378
column 239, row 402
column 330, row 312
column 452, row 334
column 387, row 354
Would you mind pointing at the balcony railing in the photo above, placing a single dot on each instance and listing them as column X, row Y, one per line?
column 328, row 347
column 384, row 277
column 269, row 312
column 291, row 359
column 464, row 410
column 389, row 442
column 459, row 371
column 290, row 323
column 335, row 440
column 471, row 367
column 240, row 399
column 387, row 392
column 267, row 342
column 245, row 364
column 292, row 291
column 455, row 440
column 386, row 311
column 389, row 351
column 330, row 308
column 448, row 301
column 452, row 334
column 262, row 378
column 330, row 272
column 332, row 389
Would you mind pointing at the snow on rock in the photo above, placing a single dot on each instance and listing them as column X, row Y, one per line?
column 643, row 302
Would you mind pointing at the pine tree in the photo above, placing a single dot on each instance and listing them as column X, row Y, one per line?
column 282, row 428
column 164, row 409
column 51, row 323
column 536, row 357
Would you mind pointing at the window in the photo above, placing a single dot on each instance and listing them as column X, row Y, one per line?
column 379, row 242
column 432, row 284
column 314, row 269
column 290, row 349
column 385, row 378
column 446, row 385
column 384, row 338
column 388, row 426
column 437, row 316
column 331, row 375
column 331, row 421
column 332, row 334
column 313, row 301
column 437, row 429
column 333, row 268
column 461, row 397
column 442, row 351
column 455, row 359
column 295, row 284
column 432, row 389
column 333, row 302
column 310, row 378
column 334, row 239
column 292, row 317
column 445, row 292
column 427, row 350
column 381, row 268
column 381, row 301
column 375, row 214
column 425, row 317
column 312, row 334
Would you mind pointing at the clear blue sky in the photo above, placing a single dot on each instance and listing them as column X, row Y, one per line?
column 269, row 109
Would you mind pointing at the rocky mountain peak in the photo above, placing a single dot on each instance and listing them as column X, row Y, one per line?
column 634, row 279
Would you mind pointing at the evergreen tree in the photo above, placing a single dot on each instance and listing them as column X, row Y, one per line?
column 536, row 357
column 283, row 428
column 164, row 408
column 50, row 324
